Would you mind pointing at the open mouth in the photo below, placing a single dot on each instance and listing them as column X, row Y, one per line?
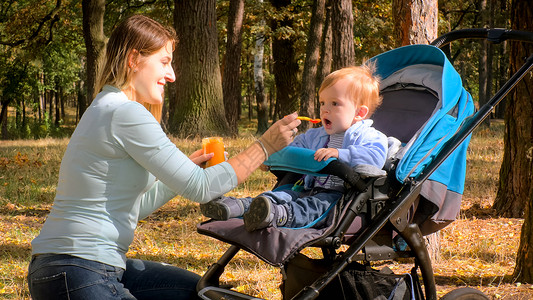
column 326, row 122
column 161, row 87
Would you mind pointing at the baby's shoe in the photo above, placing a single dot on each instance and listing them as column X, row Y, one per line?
column 224, row 208
column 263, row 213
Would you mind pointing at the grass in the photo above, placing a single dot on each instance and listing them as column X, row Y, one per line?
column 477, row 250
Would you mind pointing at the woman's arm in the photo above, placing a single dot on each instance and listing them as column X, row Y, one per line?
column 144, row 140
column 279, row 135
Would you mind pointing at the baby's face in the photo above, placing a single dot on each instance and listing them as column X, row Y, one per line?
column 337, row 110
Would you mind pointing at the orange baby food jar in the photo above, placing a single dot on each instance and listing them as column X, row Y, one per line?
column 214, row 145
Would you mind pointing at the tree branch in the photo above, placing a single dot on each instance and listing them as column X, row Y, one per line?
column 52, row 16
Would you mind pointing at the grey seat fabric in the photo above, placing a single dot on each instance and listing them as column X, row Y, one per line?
column 273, row 245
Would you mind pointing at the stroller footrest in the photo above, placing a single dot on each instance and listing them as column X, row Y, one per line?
column 383, row 255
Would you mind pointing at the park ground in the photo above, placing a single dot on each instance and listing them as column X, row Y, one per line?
column 477, row 250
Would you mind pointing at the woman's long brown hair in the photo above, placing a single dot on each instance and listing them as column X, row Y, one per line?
column 139, row 33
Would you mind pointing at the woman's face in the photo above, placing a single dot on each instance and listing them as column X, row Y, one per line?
column 150, row 74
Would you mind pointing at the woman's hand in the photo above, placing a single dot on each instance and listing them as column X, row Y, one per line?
column 198, row 157
column 281, row 133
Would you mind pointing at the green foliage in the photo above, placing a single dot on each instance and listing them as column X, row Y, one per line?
column 161, row 11
column 49, row 59
column 52, row 57
column 372, row 28
column 37, row 129
column 465, row 55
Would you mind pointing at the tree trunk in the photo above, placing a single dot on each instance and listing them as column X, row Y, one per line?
column 286, row 66
column 231, row 84
column 198, row 108
column 3, row 118
column 62, row 103
column 515, row 190
column 517, row 186
column 342, row 44
column 51, row 99
column 485, row 61
column 80, row 85
column 502, row 72
column 501, row 20
column 259, row 84
column 18, row 113
column 57, row 117
column 415, row 21
column 24, row 120
column 308, row 92
column 93, row 34
column 324, row 67
column 41, row 98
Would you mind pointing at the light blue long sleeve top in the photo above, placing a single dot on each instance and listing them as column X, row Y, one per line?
column 107, row 181
column 362, row 145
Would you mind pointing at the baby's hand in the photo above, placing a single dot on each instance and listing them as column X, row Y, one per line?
column 326, row 153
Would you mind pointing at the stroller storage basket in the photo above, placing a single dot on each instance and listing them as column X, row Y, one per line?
column 355, row 282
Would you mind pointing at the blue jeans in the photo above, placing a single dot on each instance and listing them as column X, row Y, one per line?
column 303, row 209
column 61, row 276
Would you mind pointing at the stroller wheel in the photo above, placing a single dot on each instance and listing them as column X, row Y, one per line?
column 465, row 293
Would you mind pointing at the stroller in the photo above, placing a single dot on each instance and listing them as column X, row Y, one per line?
column 383, row 214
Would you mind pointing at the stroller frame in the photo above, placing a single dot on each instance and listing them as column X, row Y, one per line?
column 395, row 209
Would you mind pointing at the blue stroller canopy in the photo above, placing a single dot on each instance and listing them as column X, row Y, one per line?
column 453, row 107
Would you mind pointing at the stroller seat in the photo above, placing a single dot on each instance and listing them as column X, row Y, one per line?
column 275, row 245
column 424, row 104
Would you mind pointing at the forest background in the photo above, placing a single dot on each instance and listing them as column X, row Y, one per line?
column 46, row 49
column 46, row 57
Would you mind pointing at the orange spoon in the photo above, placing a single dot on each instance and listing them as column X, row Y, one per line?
column 314, row 121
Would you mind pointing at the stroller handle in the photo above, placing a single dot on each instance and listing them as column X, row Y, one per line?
column 495, row 35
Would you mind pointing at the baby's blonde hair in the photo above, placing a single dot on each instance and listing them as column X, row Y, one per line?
column 364, row 87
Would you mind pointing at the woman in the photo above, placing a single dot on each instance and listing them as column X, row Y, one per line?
column 107, row 181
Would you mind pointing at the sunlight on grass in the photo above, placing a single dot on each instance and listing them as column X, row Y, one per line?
column 476, row 250
column 485, row 154
column 18, row 226
column 489, row 245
